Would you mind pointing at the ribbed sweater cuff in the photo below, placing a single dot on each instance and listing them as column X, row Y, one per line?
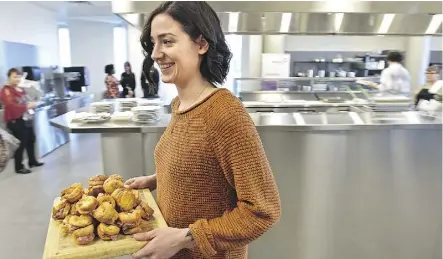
column 203, row 237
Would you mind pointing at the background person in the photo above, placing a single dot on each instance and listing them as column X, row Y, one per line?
column 150, row 88
column 432, row 78
column 19, row 121
column 215, row 187
column 111, row 83
column 128, row 82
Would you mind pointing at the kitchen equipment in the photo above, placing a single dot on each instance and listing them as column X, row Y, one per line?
column 321, row 73
column 341, row 73
column 331, row 74
column 310, row 73
column 59, row 246
column 351, row 74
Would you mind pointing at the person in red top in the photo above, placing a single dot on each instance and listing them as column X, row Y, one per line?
column 111, row 83
column 19, row 121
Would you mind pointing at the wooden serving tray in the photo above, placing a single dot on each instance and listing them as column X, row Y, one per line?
column 61, row 246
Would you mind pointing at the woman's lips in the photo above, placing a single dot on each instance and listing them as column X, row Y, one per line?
column 167, row 66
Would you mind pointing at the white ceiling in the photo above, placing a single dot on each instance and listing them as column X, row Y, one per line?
column 99, row 11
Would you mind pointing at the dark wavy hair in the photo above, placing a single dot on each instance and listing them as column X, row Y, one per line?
column 198, row 19
column 109, row 69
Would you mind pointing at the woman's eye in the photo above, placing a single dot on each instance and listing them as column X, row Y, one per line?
column 167, row 42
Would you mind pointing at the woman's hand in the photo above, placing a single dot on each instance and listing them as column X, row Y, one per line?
column 142, row 182
column 163, row 243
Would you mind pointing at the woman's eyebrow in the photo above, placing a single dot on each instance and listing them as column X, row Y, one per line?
column 162, row 35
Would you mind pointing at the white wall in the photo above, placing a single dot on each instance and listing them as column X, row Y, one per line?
column 92, row 46
column 350, row 43
column 135, row 56
column 24, row 22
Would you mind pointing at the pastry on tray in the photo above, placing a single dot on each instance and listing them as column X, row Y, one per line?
column 84, row 236
column 125, row 199
column 77, row 222
column 97, row 180
column 74, row 210
column 73, row 193
column 104, row 197
column 137, row 197
column 129, row 222
column 116, row 177
column 106, row 213
column 111, row 184
column 61, row 209
column 86, row 205
column 146, row 211
column 105, row 208
column 108, row 232
column 95, row 185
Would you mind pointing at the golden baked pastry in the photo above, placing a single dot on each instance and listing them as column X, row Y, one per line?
column 132, row 231
column 125, row 199
column 84, row 236
column 97, row 180
column 106, row 213
column 129, row 220
column 111, row 184
column 116, row 177
column 95, row 190
column 77, row 222
column 86, row 205
column 104, row 197
column 61, row 209
column 137, row 197
column 64, row 227
column 108, row 232
column 146, row 211
column 73, row 193
column 74, row 210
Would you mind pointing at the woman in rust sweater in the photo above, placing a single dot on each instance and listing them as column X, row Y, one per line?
column 214, row 184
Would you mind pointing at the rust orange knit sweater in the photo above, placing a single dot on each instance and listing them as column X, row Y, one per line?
column 213, row 177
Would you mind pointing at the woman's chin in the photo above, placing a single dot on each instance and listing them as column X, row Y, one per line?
column 167, row 79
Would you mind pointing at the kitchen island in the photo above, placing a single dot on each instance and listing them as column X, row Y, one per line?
column 356, row 184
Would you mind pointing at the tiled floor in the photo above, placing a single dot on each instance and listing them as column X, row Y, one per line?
column 26, row 200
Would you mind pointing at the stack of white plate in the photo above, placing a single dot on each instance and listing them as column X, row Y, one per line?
column 127, row 104
column 149, row 102
column 146, row 114
column 121, row 116
column 96, row 117
column 102, row 107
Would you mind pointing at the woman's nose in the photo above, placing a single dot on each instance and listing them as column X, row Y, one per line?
column 156, row 53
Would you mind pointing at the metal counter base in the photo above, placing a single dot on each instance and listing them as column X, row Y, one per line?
column 361, row 191
column 129, row 154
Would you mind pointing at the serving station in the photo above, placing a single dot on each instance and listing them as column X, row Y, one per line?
column 354, row 181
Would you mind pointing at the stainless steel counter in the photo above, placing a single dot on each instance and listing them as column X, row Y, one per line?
column 49, row 138
column 353, row 185
column 274, row 121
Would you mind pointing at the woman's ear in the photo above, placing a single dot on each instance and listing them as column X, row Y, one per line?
column 203, row 45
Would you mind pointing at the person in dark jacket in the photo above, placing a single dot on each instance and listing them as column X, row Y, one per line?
column 18, row 118
column 128, row 82
column 150, row 87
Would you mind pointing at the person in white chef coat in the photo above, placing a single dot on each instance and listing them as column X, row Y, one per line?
column 395, row 79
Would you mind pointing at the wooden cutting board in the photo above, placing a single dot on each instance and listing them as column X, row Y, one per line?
column 61, row 246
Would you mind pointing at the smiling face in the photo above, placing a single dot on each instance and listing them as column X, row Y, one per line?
column 177, row 55
column 14, row 79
